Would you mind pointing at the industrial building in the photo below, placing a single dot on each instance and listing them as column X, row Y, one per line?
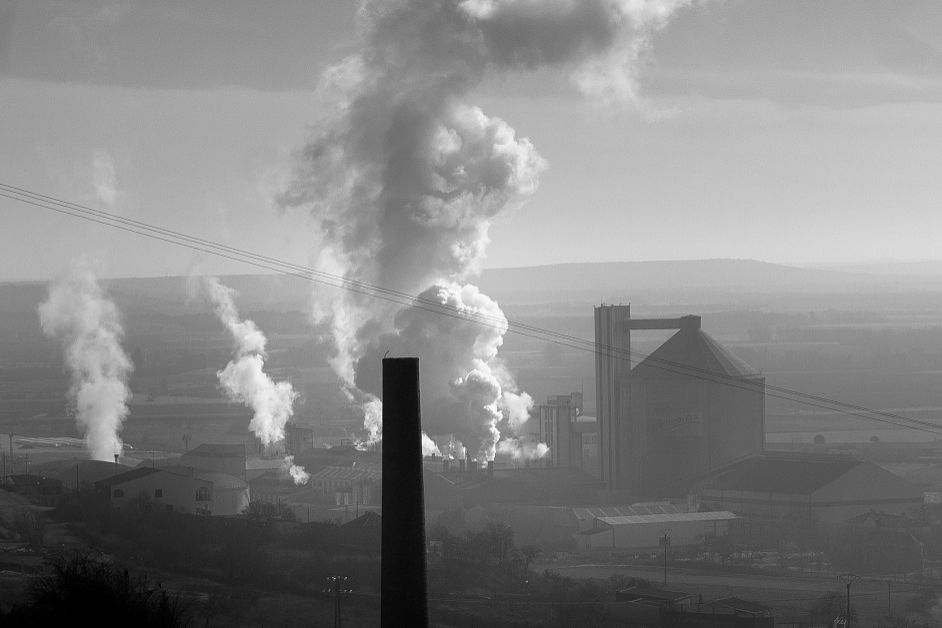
column 348, row 486
column 689, row 408
column 788, row 490
column 571, row 436
column 647, row 532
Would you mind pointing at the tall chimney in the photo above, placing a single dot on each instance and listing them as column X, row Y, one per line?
column 404, row 590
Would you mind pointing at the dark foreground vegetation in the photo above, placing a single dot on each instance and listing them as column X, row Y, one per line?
column 86, row 592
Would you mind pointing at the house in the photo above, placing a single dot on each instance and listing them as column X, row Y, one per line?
column 172, row 492
column 84, row 473
column 230, row 495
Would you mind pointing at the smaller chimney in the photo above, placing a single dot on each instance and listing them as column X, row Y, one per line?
column 490, row 468
column 446, row 465
column 461, row 466
column 473, row 468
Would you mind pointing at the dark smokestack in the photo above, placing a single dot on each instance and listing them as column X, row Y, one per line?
column 404, row 594
column 461, row 465
column 490, row 468
column 446, row 465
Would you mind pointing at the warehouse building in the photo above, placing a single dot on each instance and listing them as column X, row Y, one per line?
column 647, row 532
column 788, row 490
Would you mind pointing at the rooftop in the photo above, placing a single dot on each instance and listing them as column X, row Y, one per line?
column 791, row 474
column 649, row 508
column 350, row 474
column 691, row 351
column 719, row 515
column 218, row 450
column 127, row 476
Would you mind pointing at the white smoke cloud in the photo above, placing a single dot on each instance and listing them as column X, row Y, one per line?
column 88, row 323
column 522, row 449
column 244, row 379
column 405, row 179
column 297, row 473
column 104, row 178
column 429, row 448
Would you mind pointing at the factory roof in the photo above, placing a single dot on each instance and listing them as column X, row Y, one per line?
column 221, row 481
column 218, row 450
column 680, row 517
column 91, row 471
column 791, row 474
column 691, row 351
column 127, row 476
column 648, row 508
column 347, row 474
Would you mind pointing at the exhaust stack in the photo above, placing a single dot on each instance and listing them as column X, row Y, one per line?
column 404, row 588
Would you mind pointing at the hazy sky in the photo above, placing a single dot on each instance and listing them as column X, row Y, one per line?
column 800, row 131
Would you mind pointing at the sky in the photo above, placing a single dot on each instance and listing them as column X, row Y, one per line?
column 791, row 132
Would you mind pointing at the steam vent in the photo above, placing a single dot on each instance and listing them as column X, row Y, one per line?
column 689, row 408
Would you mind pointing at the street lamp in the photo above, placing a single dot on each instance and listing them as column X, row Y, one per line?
column 848, row 579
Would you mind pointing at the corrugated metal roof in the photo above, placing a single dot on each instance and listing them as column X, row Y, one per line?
column 694, row 349
column 650, row 508
column 720, row 515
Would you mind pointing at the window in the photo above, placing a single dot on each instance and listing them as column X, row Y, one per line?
column 118, row 492
column 158, row 492
column 169, row 508
column 202, row 495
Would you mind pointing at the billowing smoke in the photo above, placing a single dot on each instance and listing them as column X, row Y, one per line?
column 245, row 381
column 295, row 472
column 405, row 180
column 88, row 323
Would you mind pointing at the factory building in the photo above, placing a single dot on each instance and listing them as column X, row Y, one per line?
column 788, row 490
column 571, row 436
column 688, row 409
column 647, row 532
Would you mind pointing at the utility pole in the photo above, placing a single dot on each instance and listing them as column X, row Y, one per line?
column 334, row 588
column 665, row 543
column 848, row 579
column 889, row 598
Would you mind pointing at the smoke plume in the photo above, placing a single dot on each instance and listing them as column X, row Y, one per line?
column 88, row 323
column 405, row 179
column 244, row 379
column 297, row 473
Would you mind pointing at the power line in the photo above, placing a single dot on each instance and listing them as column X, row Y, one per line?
column 276, row 265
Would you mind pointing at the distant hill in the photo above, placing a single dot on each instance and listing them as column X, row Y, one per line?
column 924, row 268
column 624, row 281
column 613, row 282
